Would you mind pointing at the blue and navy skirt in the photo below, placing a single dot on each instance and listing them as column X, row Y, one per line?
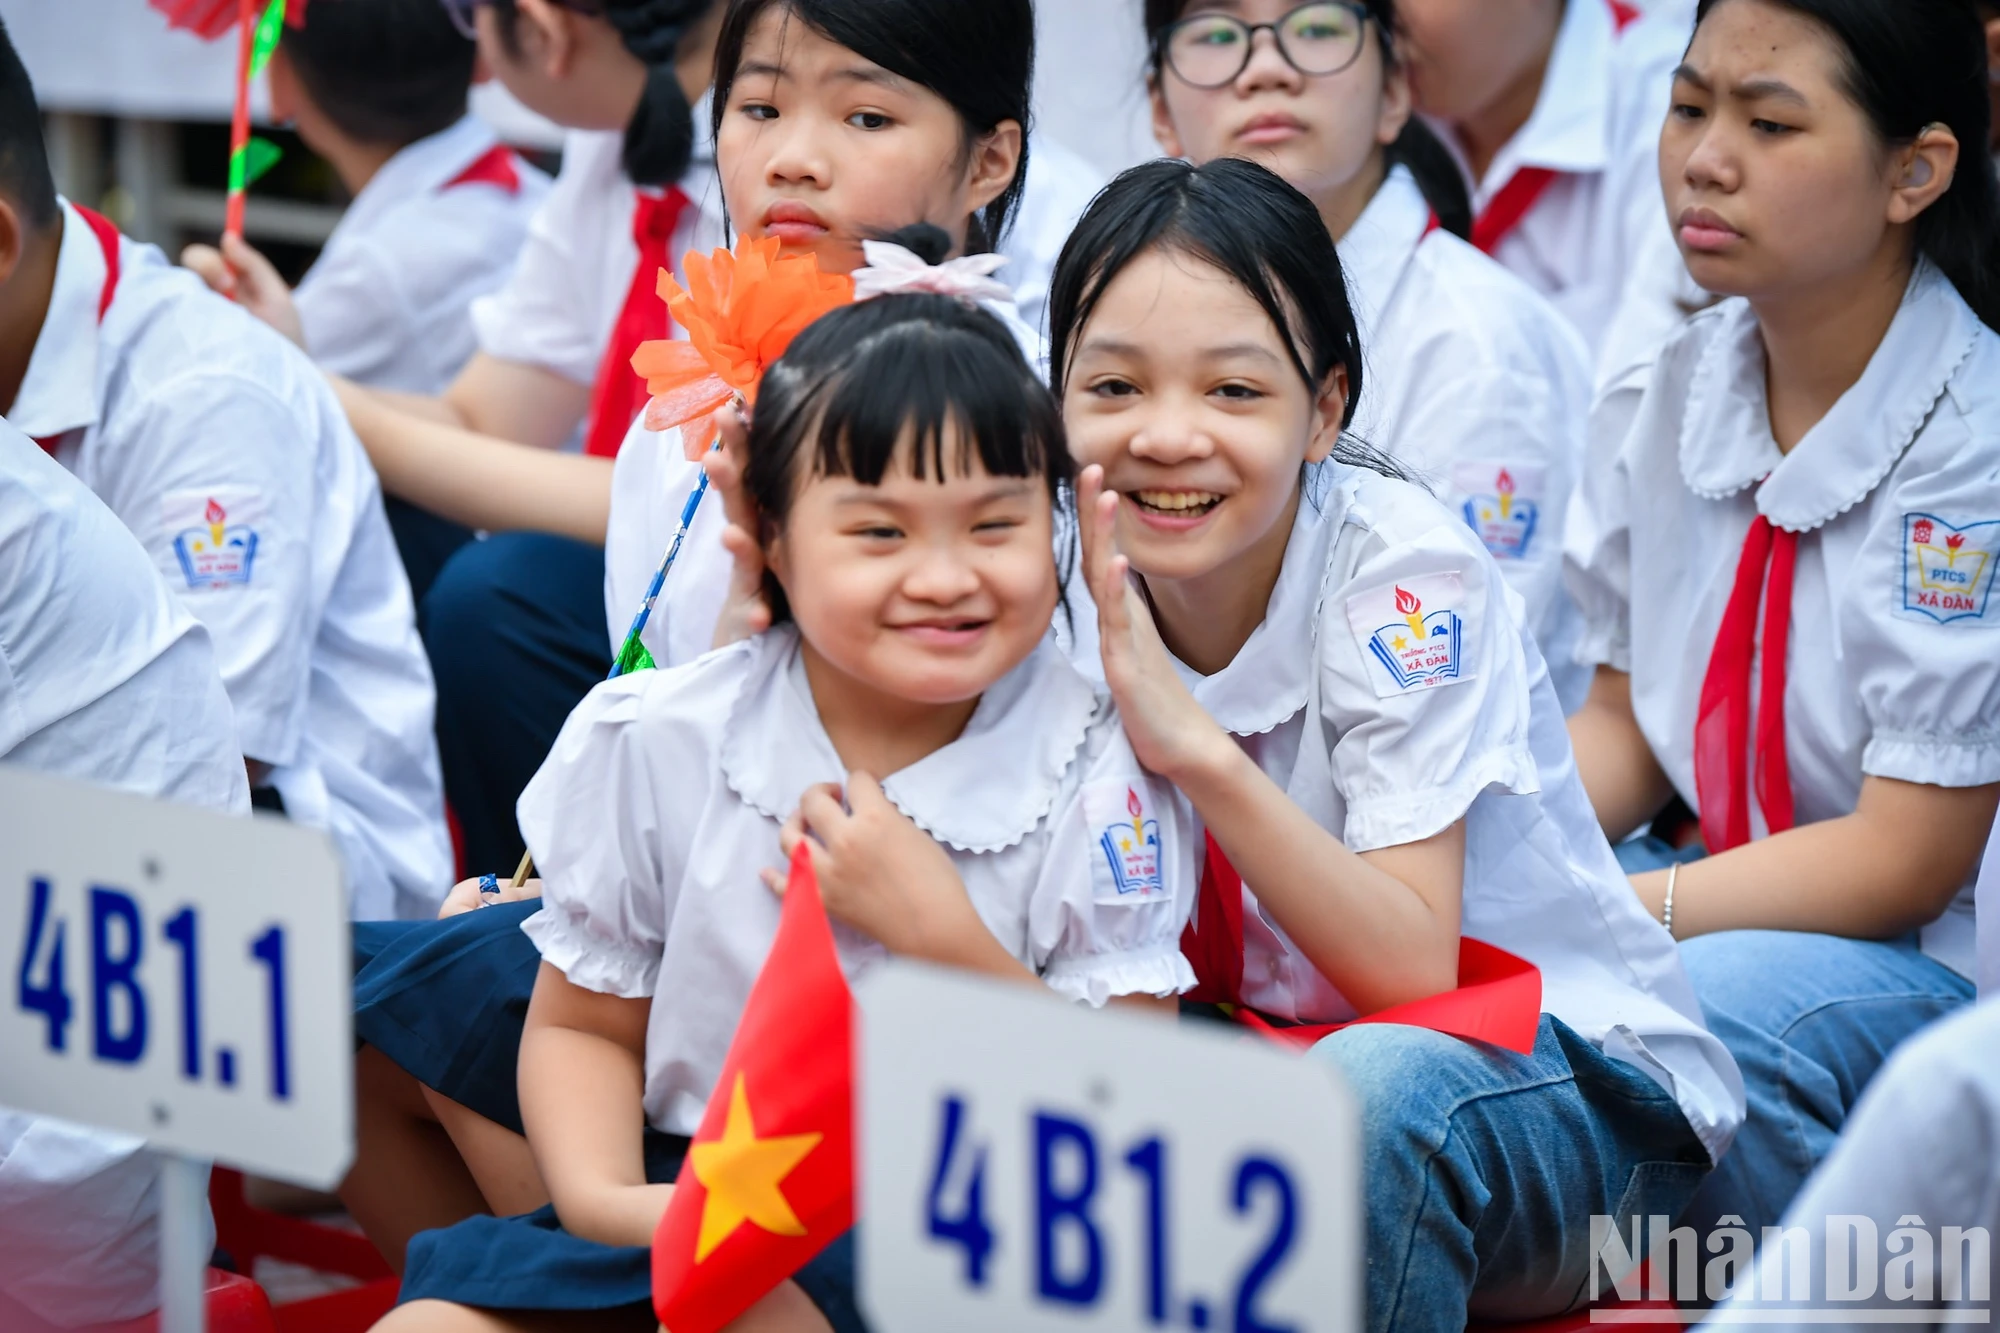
column 446, row 1001
column 529, row 1263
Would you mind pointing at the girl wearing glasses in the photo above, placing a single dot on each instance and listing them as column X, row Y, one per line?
column 1552, row 109
column 1475, row 382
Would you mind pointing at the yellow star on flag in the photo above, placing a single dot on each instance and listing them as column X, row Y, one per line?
column 741, row 1173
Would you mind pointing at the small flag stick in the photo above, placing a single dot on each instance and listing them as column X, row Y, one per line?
column 239, row 125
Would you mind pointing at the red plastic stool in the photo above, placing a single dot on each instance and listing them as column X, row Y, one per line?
column 235, row 1305
column 247, row 1233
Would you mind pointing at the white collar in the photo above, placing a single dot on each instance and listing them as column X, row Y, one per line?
column 984, row 792
column 420, row 168
column 1726, row 443
column 59, row 392
column 1378, row 248
column 1270, row 678
column 1568, row 131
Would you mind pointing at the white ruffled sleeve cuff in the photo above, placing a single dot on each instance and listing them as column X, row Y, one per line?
column 589, row 959
column 1391, row 821
column 1094, row 979
column 1972, row 760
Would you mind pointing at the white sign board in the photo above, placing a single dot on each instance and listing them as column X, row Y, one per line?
column 1029, row 1165
column 178, row 975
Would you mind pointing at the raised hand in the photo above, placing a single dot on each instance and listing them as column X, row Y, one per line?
column 240, row 273
column 1170, row 732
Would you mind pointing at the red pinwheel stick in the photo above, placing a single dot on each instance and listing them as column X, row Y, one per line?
column 239, row 126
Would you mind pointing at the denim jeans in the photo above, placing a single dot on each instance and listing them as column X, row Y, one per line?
column 1809, row 1018
column 1484, row 1167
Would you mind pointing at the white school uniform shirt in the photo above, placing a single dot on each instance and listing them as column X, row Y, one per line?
column 1059, row 187
column 221, row 447
column 1387, row 736
column 387, row 304
column 1921, row 1150
column 650, row 485
column 104, row 678
column 558, row 309
column 1987, row 896
column 1478, row 386
column 1894, row 664
column 1597, row 124
column 663, row 798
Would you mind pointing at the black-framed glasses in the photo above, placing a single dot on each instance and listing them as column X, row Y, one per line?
column 1317, row 39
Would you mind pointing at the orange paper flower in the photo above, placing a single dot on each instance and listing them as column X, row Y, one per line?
column 741, row 311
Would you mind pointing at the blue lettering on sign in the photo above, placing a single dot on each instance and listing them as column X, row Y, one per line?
column 967, row 1228
column 1064, row 1210
column 48, row 997
column 113, row 973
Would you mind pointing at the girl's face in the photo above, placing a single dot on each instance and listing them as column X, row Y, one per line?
column 1466, row 55
column 824, row 149
column 1316, row 132
column 1775, row 180
column 1183, row 390
column 922, row 590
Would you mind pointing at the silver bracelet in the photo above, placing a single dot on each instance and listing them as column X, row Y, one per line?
column 1667, row 911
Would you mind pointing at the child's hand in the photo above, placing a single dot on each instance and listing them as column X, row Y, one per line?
column 465, row 895
column 745, row 613
column 881, row 874
column 240, row 273
column 1171, row 733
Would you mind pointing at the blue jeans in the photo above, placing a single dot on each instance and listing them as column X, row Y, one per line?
column 1809, row 1018
column 1483, row 1168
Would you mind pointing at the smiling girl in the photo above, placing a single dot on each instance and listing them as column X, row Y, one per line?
column 906, row 463
column 1327, row 662
column 1475, row 382
column 1786, row 563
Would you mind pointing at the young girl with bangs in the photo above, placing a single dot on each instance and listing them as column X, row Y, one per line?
column 914, row 114
column 1476, row 383
column 1785, row 556
column 1328, row 663
column 906, row 462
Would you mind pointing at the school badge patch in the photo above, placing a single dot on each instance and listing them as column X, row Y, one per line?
column 1125, row 863
column 217, row 549
column 1947, row 569
column 1412, row 631
column 1502, row 503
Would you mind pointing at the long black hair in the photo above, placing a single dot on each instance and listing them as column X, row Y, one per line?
column 659, row 139
column 978, row 55
column 1911, row 64
column 870, row 380
column 1249, row 223
column 1417, row 148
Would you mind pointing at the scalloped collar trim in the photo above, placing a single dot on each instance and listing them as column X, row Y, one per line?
column 984, row 792
column 1726, row 443
column 1270, row 678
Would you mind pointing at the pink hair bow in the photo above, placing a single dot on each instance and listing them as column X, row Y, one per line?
column 894, row 271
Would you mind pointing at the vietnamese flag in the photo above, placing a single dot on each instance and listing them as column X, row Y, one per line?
column 769, row 1178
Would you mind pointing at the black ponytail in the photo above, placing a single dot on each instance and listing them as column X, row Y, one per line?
column 659, row 139
column 1417, row 147
column 1915, row 63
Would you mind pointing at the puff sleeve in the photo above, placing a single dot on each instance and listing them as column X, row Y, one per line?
column 1423, row 678
column 592, row 816
column 1117, row 882
column 1928, row 675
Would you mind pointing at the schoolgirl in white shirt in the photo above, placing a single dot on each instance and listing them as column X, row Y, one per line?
column 1475, row 383
column 906, row 462
column 1552, row 109
column 1328, row 663
column 104, row 678
column 1786, row 562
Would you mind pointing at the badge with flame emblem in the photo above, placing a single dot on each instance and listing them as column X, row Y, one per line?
column 1948, row 568
column 217, row 551
column 1127, row 866
column 1423, row 645
column 1502, row 503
